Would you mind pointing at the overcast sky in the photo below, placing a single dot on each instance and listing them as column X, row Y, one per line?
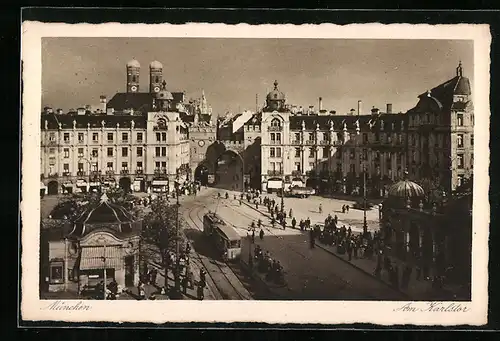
column 76, row 71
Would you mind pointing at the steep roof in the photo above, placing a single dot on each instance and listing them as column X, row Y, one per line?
column 365, row 121
column 138, row 101
column 92, row 121
column 444, row 92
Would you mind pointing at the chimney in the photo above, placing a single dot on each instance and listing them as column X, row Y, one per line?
column 81, row 111
column 360, row 103
column 104, row 102
column 389, row 108
column 320, row 104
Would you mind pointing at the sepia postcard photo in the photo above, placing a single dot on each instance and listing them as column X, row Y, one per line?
column 282, row 174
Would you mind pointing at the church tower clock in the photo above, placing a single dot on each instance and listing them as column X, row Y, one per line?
column 155, row 76
column 133, row 71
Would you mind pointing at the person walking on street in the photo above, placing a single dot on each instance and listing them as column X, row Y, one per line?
column 261, row 234
column 311, row 236
column 200, row 292
column 253, row 236
column 290, row 213
column 343, row 208
column 294, row 222
column 336, row 219
column 347, row 208
column 320, row 209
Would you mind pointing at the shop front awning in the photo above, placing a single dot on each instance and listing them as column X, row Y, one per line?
column 274, row 184
column 68, row 184
column 160, row 183
column 92, row 257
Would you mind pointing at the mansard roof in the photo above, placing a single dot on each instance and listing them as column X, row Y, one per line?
column 365, row 122
column 92, row 120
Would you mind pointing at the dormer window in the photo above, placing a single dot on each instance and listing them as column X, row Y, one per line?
column 275, row 123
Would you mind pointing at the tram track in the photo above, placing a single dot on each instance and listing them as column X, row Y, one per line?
column 298, row 252
column 226, row 283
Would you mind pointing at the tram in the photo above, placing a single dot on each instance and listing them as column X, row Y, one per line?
column 225, row 238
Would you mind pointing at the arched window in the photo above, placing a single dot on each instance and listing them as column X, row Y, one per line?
column 275, row 123
column 161, row 123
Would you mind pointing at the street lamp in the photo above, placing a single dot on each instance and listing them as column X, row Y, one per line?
column 105, row 275
column 177, row 283
column 365, row 225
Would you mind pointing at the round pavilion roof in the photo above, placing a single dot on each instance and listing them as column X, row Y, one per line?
column 406, row 189
column 105, row 213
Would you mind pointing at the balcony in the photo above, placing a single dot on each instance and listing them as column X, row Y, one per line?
column 124, row 171
column 95, row 173
column 274, row 172
column 66, row 173
column 160, row 171
column 273, row 128
column 138, row 171
column 310, row 142
column 53, row 175
column 296, row 142
column 110, row 172
column 324, row 142
column 275, row 141
column 80, row 173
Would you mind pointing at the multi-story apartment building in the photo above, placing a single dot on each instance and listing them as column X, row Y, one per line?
column 329, row 151
column 138, row 141
column 441, row 134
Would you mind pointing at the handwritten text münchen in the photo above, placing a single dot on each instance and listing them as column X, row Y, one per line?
column 68, row 305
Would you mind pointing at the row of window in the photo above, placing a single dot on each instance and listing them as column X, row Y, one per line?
column 439, row 141
column 94, row 167
column 160, row 137
column 159, row 152
column 276, row 137
column 276, row 166
column 276, row 152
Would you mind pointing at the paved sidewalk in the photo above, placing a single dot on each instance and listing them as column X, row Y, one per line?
column 417, row 289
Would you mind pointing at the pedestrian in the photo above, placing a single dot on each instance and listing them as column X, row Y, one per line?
column 320, row 209
column 184, row 284
column 290, row 213
column 347, row 208
column 200, row 293
column 343, row 208
column 256, row 205
column 336, row 219
column 253, row 236
column 294, row 222
column 284, row 224
column 261, row 234
column 154, row 273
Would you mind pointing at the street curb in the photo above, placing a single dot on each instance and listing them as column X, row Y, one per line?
column 346, row 261
column 363, row 270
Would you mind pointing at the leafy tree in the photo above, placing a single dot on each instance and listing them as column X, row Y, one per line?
column 160, row 229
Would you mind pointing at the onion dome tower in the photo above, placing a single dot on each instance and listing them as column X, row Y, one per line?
column 155, row 76
column 133, row 72
column 275, row 100
column 163, row 98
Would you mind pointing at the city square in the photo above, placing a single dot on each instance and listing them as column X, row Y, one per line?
column 156, row 195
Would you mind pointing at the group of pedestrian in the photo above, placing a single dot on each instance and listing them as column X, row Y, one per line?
column 272, row 268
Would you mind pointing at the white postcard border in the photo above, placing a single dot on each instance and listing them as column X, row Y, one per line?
column 321, row 312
